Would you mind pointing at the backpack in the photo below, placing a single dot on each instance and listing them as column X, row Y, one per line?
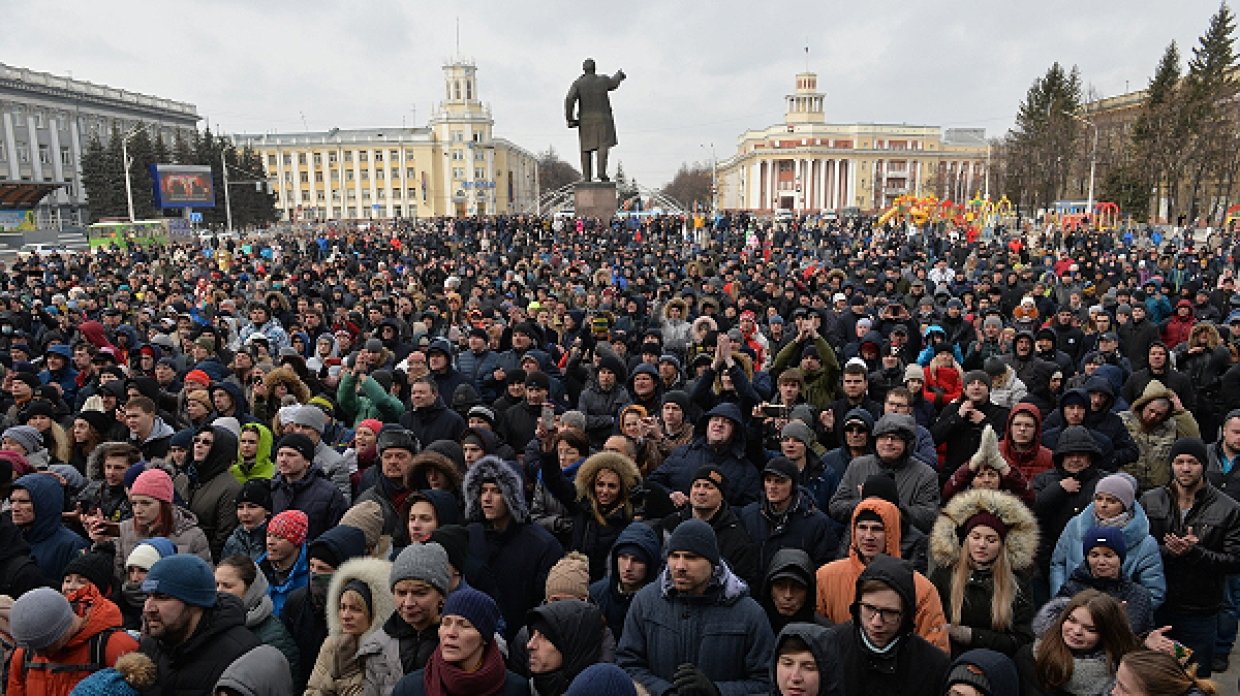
column 98, row 657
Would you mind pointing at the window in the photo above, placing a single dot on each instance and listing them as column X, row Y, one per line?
column 411, row 193
column 379, row 174
column 45, row 155
column 4, row 155
column 321, row 197
column 23, row 152
column 457, row 136
column 69, row 189
column 378, row 155
column 477, row 137
column 365, row 174
column 348, row 175
column 301, row 158
column 394, row 155
column 458, row 173
column 409, row 173
column 363, row 156
column 318, row 159
column 272, row 160
column 480, row 173
column 456, row 155
column 288, row 159
column 331, row 158
column 288, row 177
column 318, row 176
column 40, row 119
column 305, row 177
column 66, row 157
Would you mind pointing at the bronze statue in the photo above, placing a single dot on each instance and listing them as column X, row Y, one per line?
column 595, row 128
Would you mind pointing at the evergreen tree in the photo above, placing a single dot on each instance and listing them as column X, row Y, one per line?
column 1209, row 89
column 1045, row 137
column 142, row 156
column 102, row 179
column 1160, row 129
column 625, row 189
column 208, row 149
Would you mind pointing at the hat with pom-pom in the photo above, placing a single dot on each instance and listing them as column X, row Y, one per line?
column 133, row 673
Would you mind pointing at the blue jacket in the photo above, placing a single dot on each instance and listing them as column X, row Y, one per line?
column 744, row 484
column 1142, row 563
column 606, row 592
column 300, row 577
column 479, row 369
column 51, row 544
column 722, row 632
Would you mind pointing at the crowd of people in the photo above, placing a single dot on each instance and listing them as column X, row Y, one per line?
column 542, row 457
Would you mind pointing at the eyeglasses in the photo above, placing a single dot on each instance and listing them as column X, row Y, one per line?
column 897, row 404
column 888, row 616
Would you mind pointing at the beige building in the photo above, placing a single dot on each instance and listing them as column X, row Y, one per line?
column 453, row 167
column 808, row 165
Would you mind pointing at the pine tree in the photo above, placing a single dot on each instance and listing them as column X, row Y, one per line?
column 1209, row 88
column 1159, row 131
column 142, row 155
column 1045, row 137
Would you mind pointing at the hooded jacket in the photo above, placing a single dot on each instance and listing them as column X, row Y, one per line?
column 155, row 446
column 263, row 671
column 212, row 490
column 909, row 667
column 112, row 501
column 797, row 563
column 263, row 467
column 185, row 535
column 19, row 572
column 606, row 593
column 593, row 537
column 1033, row 461
column 1152, row 467
column 1142, row 561
column 340, row 668
column 511, row 565
column 575, row 626
column 314, row 495
column 372, row 401
column 801, row 526
column 723, row 632
column 51, row 544
column 837, row 579
column 916, row 483
column 261, row 619
column 1055, row 506
column 813, row 636
column 744, row 484
column 1020, row 546
column 221, row 637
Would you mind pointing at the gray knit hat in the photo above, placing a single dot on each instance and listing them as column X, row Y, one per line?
column 426, row 562
column 39, row 618
column 27, row 436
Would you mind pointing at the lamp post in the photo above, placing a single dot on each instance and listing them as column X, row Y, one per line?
column 127, row 162
column 1093, row 161
column 714, row 181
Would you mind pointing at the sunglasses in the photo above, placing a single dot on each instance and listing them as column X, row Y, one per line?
column 203, row 441
column 855, row 429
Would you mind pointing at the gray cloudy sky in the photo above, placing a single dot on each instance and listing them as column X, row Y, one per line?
column 699, row 72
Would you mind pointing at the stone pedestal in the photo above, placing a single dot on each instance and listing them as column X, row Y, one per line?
column 595, row 199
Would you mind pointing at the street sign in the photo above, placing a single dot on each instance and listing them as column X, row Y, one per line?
column 195, row 217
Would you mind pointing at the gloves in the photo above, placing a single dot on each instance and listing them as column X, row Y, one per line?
column 690, row 681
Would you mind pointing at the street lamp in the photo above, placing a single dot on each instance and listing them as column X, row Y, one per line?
column 1093, row 161
column 127, row 162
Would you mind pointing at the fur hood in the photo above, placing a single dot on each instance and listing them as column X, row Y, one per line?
column 372, row 571
column 1021, row 544
column 288, row 377
column 427, row 459
column 491, row 468
column 624, row 467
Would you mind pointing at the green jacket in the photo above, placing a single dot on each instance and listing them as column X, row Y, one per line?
column 372, row 402
column 264, row 467
column 819, row 384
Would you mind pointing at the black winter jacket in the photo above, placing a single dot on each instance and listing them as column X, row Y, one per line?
column 193, row 667
column 1196, row 580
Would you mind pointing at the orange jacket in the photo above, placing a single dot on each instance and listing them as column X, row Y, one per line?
column 837, row 580
column 101, row 614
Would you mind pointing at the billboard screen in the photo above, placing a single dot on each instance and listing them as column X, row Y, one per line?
column 183, row 186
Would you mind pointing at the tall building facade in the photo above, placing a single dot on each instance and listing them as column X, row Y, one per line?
column 47, row 121
column 808, row 165
column 454, row 166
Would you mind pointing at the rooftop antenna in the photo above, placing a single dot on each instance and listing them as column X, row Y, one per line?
column 807, row 54
column 304, row 127
column 458, row 37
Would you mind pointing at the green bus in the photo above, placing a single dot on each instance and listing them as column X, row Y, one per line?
column 142, row 233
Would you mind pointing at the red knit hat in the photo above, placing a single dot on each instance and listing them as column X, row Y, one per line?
column 985, row 518
column 290, row 525
column 374, row 424
column 198, row 377
column 153, row 483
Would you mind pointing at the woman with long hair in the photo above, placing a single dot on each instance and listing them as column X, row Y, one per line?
column 1079, row 647
column 241, row 578
column 90, row 429
column 155, row 514
column 636, row 423
column 1153, row 673
column 359, row 601
column 981, row 546
column 40, row 414
column 562, row 455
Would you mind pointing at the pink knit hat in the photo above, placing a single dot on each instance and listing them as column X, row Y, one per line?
column 153, row 483
column 374, row 424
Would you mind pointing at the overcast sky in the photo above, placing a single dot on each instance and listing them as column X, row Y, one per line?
column 698, row 72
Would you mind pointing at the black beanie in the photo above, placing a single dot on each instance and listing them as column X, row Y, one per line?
column 258, row 492
column 696, row 537
column 882, row 486
column 455, row 540
column 1191, row 446
column 95, row 566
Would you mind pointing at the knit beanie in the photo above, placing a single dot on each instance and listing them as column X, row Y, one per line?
column 185, row 577
column 1110, row 537
column 98, row 420
column 153, row 483
column 696, row 537
column 882, row 486
column 309, row 416
column 714, row 474
column 133, row 674
column 147, row 554
column 367, row 516
column 798, row 430
column 455, row 541
column 475, row 607
column 914, row 371
column 290, row 525
column 1121, row 486
column 15, row 462
column 96, row 566
column 602, row 679
column 27, row 436
column 256, row 492
column 1185, row 445
column 40, row 617
column 985, row 518
column 298, row 443
column 426, row 562
column 976, row 376
column 374, row 424
column 570, row 577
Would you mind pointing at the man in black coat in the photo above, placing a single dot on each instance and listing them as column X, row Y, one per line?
column 962, row 421
column 191, row 632
column 1158, row 367
column 429, row 419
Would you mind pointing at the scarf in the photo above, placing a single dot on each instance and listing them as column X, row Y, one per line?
column 443, row 679
column 1119, row 521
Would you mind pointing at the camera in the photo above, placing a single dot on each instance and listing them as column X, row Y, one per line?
column 775, row 410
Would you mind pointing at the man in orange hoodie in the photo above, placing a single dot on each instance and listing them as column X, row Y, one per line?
column 57, row 648
column 876, row 530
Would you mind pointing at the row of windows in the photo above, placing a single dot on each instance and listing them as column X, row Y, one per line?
column 362, row 156
column 45, row 154
column 321, row 197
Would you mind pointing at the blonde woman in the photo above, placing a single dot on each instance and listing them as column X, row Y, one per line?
column 980, row 548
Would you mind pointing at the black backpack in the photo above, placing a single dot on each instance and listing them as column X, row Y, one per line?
column 98, row 657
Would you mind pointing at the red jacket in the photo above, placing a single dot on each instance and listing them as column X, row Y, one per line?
column 943, row 386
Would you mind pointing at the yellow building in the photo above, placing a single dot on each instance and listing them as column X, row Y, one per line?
column 808, row 165
column 455, row 166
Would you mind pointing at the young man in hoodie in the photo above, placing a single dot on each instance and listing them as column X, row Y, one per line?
column 632, row 564
column 211, row 493
column 36, row 502
column 918, row 484
column 147, row 431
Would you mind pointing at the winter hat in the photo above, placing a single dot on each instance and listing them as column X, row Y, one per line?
column 1185, row 445
column 133, row 674
column 41, row 617
column 182, row 438
column 455, row 541
column 991, row 673
column 228, row 423
column 198, row 377
column 882, row 486
column 132, row 474
column 537, row 380
column 153, row 483
column 798, row 430
column 396, row 437
column 476, row 607
column 602, row 679
column 257, row 492
column 15, row 462
column 914, row 371
column 308, row 416
column 484, row 413
column 182, row 576
column 569, row 576
column 95, row 566
column 976, row 376
column 367, row 516
column 426, row 562
column 1120, row 486
column 994, row 366
column 374, row 424
column 298, row 443
column 696, row 537
column 783, row 468
column 290, row 525
column 713, row 474
column 149, row 552
column 985, row 518
column 27, row 436
column 988, row 453
column 1110, row 537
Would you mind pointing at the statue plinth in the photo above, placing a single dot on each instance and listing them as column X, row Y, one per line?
column 595, row 199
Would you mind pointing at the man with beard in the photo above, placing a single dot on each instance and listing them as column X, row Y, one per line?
column 191, row 632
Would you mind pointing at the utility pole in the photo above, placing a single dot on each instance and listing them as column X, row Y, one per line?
column 227, row 193
column 125, row 159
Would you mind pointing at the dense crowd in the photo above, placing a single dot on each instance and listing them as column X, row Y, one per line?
column 537, row 457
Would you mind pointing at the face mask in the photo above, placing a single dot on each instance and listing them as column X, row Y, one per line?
column 319, row 583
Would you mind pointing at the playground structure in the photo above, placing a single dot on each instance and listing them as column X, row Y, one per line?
column 920, row 211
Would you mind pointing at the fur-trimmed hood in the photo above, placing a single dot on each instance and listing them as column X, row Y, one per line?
column 287, row 376
column 427, row 459
column 624, row 467
column 1021, row 544
column 372, row 571
column 491, row 468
